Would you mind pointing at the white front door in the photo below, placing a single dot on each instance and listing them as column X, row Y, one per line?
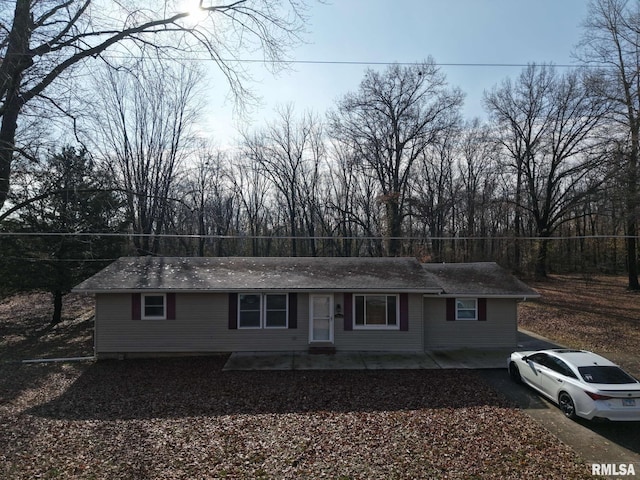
column 321, row 318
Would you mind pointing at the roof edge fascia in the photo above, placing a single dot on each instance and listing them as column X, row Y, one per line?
column 235, row 290
column 484, row 295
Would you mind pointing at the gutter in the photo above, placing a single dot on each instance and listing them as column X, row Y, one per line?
column 521, row 297
column 55, row 360
column 425, row 291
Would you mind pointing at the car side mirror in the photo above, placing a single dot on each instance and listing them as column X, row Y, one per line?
column 525, row 359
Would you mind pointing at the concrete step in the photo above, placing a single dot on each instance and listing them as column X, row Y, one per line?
column 322, row 349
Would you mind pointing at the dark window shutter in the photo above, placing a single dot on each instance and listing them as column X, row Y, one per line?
column 171, row 306
column 136, row 309
column 451, row 309
column 404, row 312
column 233, row 311
column 482, row 309
column 348, row 312
column 293, row 310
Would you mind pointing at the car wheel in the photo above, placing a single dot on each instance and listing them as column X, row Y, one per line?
column 514, row 373
column 567, row 406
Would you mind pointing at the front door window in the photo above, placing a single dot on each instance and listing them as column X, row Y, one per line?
column 321, row 318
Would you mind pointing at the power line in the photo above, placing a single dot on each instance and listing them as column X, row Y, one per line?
column 320, row 237
column 387, row 63
column 205, row 57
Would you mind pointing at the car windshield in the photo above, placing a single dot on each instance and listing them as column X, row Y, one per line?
column 605, row 374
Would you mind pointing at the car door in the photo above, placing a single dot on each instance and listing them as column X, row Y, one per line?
column 535, row 369
column 555, row 376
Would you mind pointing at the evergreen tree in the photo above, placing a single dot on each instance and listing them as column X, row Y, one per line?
column 59, row 237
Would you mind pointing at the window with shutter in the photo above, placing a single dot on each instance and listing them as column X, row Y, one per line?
column 262, row 310
column 467, row 309
column 154, row 306
column 376, row 312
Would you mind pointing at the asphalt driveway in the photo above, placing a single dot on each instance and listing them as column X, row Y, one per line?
column 605, row 442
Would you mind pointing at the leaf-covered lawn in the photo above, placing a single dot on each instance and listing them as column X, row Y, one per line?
column 185, row 418
column 25, row 332
column 594, row 313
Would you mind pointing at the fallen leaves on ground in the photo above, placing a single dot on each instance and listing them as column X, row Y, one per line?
column 594, row 313
column 185, row 418
column 26, row 333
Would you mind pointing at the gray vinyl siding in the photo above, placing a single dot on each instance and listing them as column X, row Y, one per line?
column 201, row 325
column 499, row 330
column 383, row 340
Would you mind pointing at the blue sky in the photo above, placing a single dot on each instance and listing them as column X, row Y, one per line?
column 450, row 31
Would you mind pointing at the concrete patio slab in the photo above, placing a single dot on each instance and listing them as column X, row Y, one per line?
column 471, row 358
column 465, row 358
column 334, row 361
column 398, row 361
column 259, row 361
column 364, row 360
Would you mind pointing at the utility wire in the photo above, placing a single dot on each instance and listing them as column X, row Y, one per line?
column 290, row 237
column 205, row 57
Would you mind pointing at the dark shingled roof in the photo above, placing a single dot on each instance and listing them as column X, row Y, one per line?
column 484, row 279
column 268, row 273
column 353, row 274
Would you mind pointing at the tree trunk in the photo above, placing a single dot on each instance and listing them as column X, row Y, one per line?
column 632, row 258
column 517, row 221
column 57, row 308
column 632, row 210
column 541, row 260
column 17, row 60
column 394, row 219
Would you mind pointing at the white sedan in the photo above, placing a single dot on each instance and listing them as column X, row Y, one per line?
column 582, row 383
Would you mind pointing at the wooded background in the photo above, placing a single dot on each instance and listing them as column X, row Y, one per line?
column 549, row 183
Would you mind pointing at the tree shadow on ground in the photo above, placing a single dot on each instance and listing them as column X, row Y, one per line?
column 625, row 434
column 197, row 386
column 67, row 339
column 63, row 340
column 26, row 331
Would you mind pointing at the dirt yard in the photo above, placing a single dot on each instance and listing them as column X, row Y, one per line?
column 185, row 418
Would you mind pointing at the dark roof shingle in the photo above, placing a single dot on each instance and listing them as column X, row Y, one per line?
column 260, row 273
column 354, row 274
column 484, row 279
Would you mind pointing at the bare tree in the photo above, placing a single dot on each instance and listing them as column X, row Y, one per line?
column 549, row 125
column 209, row 201
column 611, row 42
column 146, row 120
column 353, row 208
column 289, row 152
column 433, row 194
column 42, row 40
column 515, row 110
column 251, row 188
column 477, row 176
column 389, row 122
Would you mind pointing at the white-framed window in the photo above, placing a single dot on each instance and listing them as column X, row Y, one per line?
column 249, row 308
column 154, row 306
column 466, row 309
column 267, row 310
column 376, row 311
column 275, row 310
